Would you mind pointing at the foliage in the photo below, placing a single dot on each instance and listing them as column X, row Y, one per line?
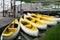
column 52, row 34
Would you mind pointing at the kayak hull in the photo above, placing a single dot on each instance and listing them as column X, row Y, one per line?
column 56, row 19
column 29, row 32
column 44, row 26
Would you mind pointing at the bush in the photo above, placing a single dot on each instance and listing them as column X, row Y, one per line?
column 52, row 34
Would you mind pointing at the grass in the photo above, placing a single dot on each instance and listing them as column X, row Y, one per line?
column 52, row 34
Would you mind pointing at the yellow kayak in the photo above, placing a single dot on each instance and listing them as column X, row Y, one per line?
column 44, row 20
column 28, row 28
column 35, row 15
column 11, row 31
column 35, row 22
column 52, row 18
column 49, row 17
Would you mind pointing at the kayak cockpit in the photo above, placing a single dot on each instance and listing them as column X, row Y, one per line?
column 46, row 19
column 34, row 20
column 29, row 18
column 28, row 25
column 13, row 25
column 34, row 16
column 10, row 30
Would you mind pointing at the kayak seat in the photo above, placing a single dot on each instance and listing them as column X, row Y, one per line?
column 13, row 25
column 12, row 29
column 7, row 32
column 38, row 22
column 34, row 16
column 29, row 26
column 29, row 18
column 33, row 27
column 24, row 23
